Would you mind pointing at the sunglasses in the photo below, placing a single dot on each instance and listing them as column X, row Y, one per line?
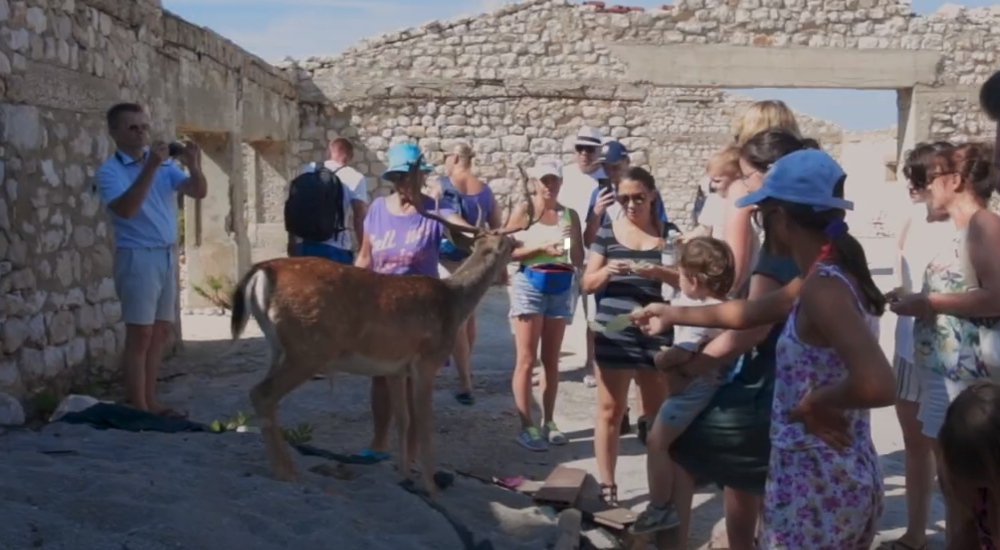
column 634, row 199
column 584, row 150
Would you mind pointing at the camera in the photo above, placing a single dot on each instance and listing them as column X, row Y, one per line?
column 175, row 149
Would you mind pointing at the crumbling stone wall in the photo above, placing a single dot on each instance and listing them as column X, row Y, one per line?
column 517, row 81
column 671, row 131
column 62, row 64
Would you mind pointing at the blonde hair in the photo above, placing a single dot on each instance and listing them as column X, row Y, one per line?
column 765, row 115
column 725, row 161
column 463, row 153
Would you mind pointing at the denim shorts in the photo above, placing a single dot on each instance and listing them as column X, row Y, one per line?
column 680, row 410
column 145, row 279
column 322, row 250
column 525, row 299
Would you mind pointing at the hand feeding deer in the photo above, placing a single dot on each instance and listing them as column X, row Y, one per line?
column 318, row 316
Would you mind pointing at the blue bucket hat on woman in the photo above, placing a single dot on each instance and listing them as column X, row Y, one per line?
column 401, row 157
column 807, row 177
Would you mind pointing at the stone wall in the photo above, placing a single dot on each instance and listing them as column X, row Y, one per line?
column 62, row 64
column 515, row 82
column 670, row 131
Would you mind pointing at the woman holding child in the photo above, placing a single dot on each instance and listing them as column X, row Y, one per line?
column 823, row 487
column 625, row 266
column 728, row 443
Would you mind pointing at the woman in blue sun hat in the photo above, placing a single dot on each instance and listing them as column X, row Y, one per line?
column 824, row 486
column 398, row 240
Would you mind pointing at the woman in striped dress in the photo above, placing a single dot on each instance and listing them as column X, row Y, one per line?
column 625, row 266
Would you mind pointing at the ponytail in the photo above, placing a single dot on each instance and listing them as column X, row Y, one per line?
column 845, row 251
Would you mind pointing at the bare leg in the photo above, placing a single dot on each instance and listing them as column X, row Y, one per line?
column 682, row 498
column 742, row 513
column 919, row 474
column 462, row 354
column 381, row 403
column 951, row 516
column 423, row 409
column 612, row 397
column 527, row 333
column 138, row 339
column 553, row 331
column 154, row 357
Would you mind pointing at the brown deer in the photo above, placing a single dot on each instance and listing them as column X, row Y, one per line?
column 321, row 317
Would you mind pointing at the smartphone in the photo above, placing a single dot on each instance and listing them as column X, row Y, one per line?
column 175, row 149
column 604, row 183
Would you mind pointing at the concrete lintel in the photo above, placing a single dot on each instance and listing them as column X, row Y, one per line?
column 725, row 66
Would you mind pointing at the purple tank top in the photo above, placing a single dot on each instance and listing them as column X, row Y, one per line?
column 404, row 245
column 484, row 200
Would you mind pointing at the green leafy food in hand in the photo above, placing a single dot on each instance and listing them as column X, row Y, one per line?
column 618, row 323
column 596, row 327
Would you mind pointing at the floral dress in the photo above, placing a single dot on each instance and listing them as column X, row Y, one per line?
column 946, row 345
column 816, row 497
column 946, row 348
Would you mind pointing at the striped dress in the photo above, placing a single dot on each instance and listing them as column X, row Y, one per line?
column 628, row 349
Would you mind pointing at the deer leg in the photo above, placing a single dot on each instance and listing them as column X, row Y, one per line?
column 283, row 377
column 401, row 410
column 423, row 397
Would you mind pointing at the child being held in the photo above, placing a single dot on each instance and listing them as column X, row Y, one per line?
column 707, row 270
column 723, row 170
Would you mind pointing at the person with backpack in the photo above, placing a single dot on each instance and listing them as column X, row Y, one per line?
column 320, row 202
column 463, row 192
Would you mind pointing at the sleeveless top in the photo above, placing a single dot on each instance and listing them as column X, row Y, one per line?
column 945, row 344
column 541, row 234
column 483, row 201
column 621, row 295
column 921, row 239
column 802, row 368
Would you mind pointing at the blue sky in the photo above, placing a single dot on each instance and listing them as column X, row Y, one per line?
column 273, row 29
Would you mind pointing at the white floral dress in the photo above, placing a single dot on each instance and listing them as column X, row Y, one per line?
column 816, row 497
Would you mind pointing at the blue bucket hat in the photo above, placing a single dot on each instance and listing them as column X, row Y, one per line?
column 806, row 177
column 401, row 158
column 613, row 152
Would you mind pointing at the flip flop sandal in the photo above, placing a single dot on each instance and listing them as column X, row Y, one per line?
column 367, row 457
column 465, row 398
column 609, row 494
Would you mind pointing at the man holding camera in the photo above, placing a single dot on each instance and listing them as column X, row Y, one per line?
column 139, row 186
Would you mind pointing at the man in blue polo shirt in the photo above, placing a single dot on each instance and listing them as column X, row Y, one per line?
column 139, row 186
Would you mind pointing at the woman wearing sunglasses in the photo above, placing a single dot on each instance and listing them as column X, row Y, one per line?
column 625, row 266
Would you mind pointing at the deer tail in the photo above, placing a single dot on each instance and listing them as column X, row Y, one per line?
column 251, row 296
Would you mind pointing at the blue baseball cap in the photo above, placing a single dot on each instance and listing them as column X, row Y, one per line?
column 401, row 158
column 806, row 177
column 613, row 152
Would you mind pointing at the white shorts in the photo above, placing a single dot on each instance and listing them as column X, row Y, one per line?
column 936, row 394
column 909, row 380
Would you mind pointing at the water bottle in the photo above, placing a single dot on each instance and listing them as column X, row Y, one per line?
column 668, row 256
column 565, row 225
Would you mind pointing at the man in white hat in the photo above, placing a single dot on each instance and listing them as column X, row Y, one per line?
column 579, row 181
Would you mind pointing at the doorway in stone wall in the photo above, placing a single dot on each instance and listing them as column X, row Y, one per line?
column 861, row 128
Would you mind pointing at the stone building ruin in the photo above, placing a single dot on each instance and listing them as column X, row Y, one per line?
column 514, row 84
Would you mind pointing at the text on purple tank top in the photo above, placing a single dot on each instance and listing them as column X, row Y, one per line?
column 404, row 245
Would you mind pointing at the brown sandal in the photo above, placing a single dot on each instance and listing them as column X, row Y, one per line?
column 609, row 494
